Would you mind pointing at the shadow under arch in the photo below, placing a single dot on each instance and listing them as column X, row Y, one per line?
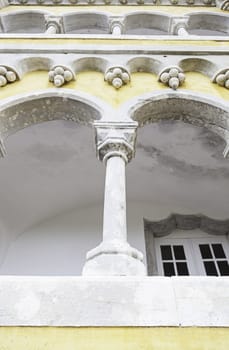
column 191, row 108
column 19, row 112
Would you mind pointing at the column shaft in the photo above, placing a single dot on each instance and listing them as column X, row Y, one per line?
column 114, row 216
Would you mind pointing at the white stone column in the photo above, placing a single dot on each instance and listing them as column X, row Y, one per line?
column 115, row 200
column 114, row 256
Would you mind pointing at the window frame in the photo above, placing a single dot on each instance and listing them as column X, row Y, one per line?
column 198, row 227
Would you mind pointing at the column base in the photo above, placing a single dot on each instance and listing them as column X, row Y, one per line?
column 114, row 265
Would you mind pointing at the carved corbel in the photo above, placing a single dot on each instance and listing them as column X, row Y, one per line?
column 60, row 75
column 7, row 75
column 112, row 139
column 172, row 76
column 117, row 76
column 222, row 78
column 54, row 24
column 179, row 25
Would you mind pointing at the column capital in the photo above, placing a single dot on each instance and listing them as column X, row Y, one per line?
column 115, row 140
column 116, row 21
column 178, row 23
column 55, row 21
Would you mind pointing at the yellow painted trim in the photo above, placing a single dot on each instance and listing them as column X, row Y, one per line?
column 153, row 43
column 164, row 338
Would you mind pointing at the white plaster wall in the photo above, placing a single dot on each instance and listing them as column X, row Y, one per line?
column 58, row 246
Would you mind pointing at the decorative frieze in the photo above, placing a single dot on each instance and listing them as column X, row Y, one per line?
column 60, row 75
column 117, row 77
column 7, row 75
column 172, row 76
column 222, row 78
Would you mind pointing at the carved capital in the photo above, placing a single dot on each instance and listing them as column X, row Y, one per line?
column 117, row 76
column 172, row 76
column 116, row 22
column 178, row 23
column 60, row 75
column 115, row 140
column 54, row 21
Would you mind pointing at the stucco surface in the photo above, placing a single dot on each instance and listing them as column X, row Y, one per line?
column 20, row 338
column 114, row 301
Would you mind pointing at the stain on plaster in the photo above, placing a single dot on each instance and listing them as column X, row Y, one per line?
column 183, row 150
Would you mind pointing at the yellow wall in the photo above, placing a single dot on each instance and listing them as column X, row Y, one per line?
column 93, row 83
column 51, row 338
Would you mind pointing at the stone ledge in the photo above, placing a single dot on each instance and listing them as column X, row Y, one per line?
column 114, row 301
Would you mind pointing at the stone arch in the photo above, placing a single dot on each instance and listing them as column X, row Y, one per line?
column 91, row 63
column 86, row 22
column 31, row 64
column 187, row 107
column 23, row 21
column 201, row 65
column 20, row 112
column 144, row 64
column 207, row 23
column 147, row 23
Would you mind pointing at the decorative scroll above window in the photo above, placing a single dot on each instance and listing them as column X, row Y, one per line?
column 186, row 222
column 172, row 251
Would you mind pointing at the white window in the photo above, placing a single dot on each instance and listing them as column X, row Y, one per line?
column 192, row 253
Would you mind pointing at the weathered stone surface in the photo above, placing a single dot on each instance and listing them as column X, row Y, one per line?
column 114, row 301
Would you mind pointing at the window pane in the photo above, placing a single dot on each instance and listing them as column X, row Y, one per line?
column 223, row 267
column 218, row 251
column 179, row 252
column 210, row 268
column 182, row 269
column 169, row 269
column 166, row 252
column 205, row 251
